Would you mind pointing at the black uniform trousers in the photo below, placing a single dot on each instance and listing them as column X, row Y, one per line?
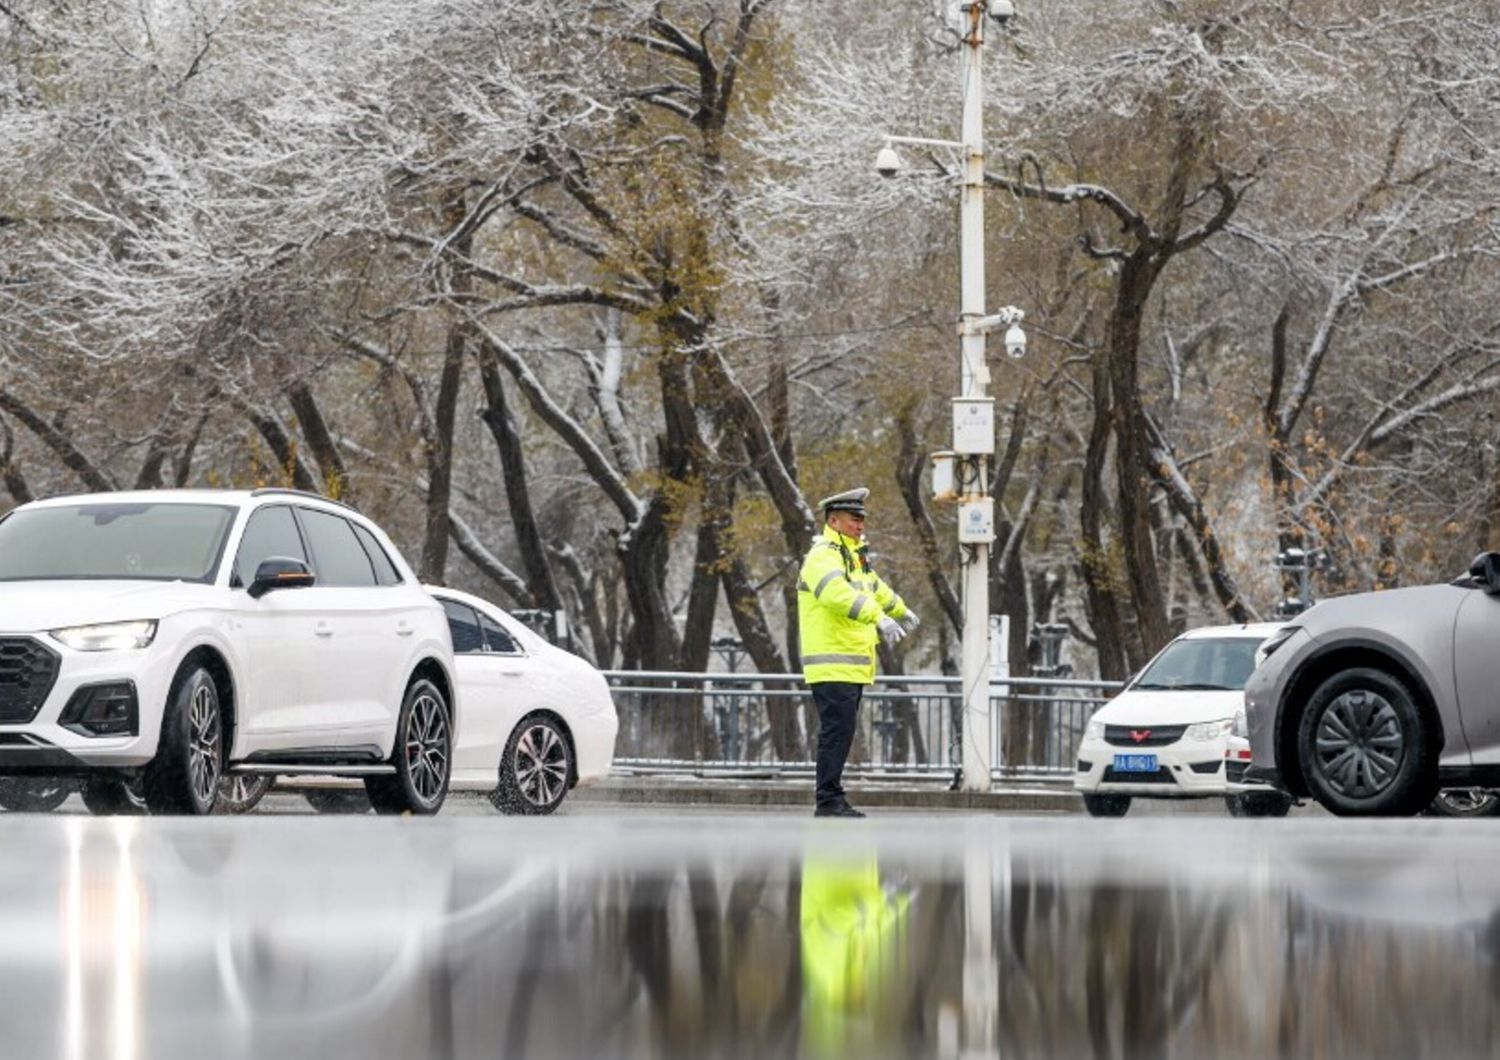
column 838, row 713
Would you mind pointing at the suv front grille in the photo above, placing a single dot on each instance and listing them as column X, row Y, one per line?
column 1143, row 735
column 28, row 669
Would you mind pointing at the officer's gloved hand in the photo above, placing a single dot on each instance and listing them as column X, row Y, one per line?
column 890, row 631
column 909, row 621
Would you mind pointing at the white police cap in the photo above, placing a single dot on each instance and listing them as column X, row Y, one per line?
column 848, row 501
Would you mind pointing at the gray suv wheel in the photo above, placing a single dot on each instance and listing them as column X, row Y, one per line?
column 1364, row 748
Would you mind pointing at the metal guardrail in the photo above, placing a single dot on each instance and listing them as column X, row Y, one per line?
column 909, row 724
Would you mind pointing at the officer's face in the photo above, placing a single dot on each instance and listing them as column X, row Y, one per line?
column 850, row 524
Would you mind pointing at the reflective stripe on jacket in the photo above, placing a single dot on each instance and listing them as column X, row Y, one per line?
column 838, row 605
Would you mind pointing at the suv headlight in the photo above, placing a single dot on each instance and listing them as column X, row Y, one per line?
column 1095, row 730
column 113, row 636
column 1241, row 726
column 1274, row 641
column 1210, row 730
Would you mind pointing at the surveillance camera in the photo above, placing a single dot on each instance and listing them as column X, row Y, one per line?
column 1002, row 11
column 1015, row 341
column 888, row 162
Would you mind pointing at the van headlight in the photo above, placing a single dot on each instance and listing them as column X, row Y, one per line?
column 113, row 636
column 1241, row 726
column 1094, row 730
column 1210, row 730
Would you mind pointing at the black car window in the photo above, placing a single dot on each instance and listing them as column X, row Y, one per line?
column 496, row 637
column 464, row 626
column 385, row 570
column 270, row 533
column 338, row 559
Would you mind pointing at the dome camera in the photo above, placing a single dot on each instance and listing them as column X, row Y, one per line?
column 888, row 162
column 1002, row 11
column 1015, row 342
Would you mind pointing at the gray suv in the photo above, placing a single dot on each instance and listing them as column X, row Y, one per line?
column 1371, row 702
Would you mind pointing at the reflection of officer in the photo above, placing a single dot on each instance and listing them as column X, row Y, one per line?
column 842, row 607
column 852, row 950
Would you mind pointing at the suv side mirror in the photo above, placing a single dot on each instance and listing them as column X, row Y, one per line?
column 280, row 572
column 1485, row 572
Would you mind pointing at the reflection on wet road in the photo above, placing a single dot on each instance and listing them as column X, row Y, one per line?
column 649, row 936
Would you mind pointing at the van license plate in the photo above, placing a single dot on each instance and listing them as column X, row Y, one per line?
column 1135, row 763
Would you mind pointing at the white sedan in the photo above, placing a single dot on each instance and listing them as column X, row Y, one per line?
column 535, row 718
column 1165, row 735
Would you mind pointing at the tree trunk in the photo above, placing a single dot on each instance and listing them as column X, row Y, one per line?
column 10, row 471
column 1096, row 564
column 1133, row 471
column 440, row 444
column 500, row 418
column 319, row 439
column 53, row 438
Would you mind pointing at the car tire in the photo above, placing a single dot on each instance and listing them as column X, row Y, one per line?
column 535, row 769
column 1106, row 805
column 423, row 755
column 183, row 778
column 1364, row 748
column 239, row 793
column 1258, row 804
column 111, row 797
column 33, row 794
column 337, row 800
column 1465, row 802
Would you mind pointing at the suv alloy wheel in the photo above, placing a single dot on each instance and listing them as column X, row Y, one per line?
column 423, row 755
column 183, row 778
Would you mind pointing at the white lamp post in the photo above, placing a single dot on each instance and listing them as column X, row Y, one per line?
column 974, row 410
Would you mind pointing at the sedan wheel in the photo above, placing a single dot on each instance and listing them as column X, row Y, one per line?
column 338, row 800
column 33, row 795
column 106, row 796
column 536, row 770
column 1466, row 802
column 1363, row 746
column 1106, row 805
column 240, row 793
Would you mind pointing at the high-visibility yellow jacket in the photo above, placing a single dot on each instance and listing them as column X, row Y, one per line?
column 839, row 601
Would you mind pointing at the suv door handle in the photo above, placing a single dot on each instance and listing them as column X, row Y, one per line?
column 403, row 628
column 323, row 629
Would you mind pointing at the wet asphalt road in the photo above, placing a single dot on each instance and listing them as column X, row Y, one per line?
column 624, row 931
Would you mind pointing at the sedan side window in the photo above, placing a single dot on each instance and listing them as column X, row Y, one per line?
column 496, row 637
column 271, row 532
column 464, row 626
column 338, row 558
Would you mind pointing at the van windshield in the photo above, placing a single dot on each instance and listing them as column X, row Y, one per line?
column 1202, row 664
column 97, row 542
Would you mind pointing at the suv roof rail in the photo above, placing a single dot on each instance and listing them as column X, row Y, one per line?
column 267, row 491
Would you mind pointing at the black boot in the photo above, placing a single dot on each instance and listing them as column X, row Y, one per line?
column 837, row 809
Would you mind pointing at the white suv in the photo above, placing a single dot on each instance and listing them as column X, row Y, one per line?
column 165, row 637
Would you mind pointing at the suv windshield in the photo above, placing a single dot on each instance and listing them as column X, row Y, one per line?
column 146, row 542
column 1202, row 664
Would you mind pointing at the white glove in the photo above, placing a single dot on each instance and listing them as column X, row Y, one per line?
column 890, row 631
column 909, row 621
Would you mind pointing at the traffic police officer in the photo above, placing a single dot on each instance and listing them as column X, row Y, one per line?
column 842, row 608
